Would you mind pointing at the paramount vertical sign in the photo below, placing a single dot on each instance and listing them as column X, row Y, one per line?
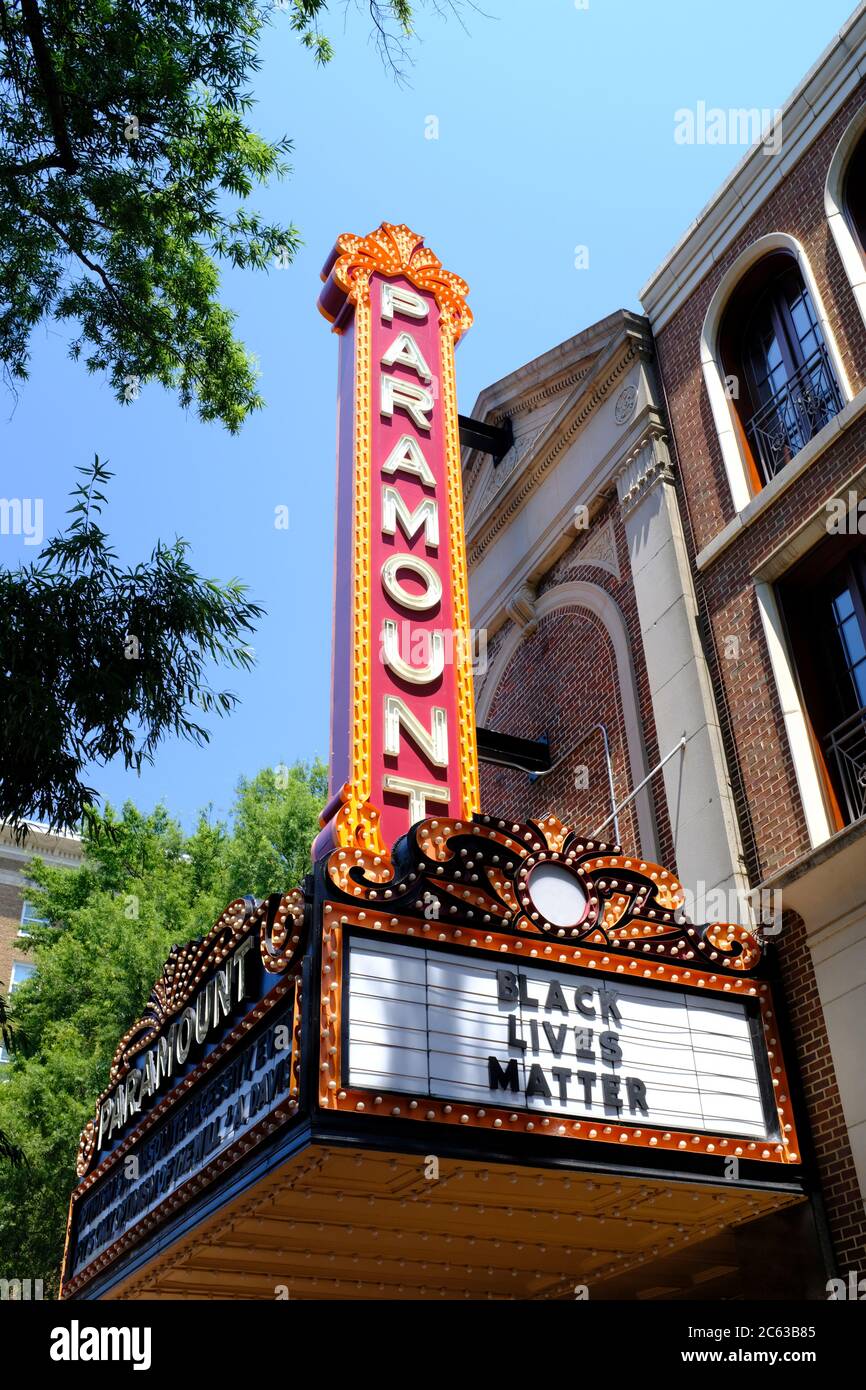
column 402, row 715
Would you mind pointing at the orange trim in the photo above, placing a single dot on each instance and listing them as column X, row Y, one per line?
column 467, row 747
column 756, row 481
column 830, row 799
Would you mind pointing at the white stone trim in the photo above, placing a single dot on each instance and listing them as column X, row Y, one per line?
column 600, row 550
column 793, row 714
column 521, row 609
column 711, row 364
column 837, row 217
column 580, row 594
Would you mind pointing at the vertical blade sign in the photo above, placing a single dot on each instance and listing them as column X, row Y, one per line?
column 402, row 706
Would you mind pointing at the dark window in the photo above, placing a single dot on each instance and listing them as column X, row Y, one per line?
column 785, row 389
column 855, row 192
column 824, row 602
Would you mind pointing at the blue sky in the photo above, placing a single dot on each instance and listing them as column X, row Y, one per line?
column 555, row 130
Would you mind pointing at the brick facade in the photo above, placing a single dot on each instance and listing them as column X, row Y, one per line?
column 561, row 681
column 61, row 850
column 10, row 918
column 795, row 207
column 840, row 1190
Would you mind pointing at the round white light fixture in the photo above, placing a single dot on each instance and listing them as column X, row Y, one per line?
column 557, row 895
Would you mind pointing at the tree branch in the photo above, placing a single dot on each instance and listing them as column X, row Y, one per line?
column 32, row 166
column 112, row 289
column 32, row 20
column 76, row 251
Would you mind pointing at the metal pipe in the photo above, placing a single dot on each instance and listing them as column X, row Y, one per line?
column 631, row 796
column 534, row 776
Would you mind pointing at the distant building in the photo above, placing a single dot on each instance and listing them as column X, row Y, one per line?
column 16, row 912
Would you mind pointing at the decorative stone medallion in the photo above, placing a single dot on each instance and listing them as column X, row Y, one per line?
column 625, row 404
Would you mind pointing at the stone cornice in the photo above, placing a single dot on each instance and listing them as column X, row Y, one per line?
column 549, row 544
column 520, row 404
column 554, row 373
column 54, row 846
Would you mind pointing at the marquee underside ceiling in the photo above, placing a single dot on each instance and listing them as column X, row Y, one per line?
column 359, row 1224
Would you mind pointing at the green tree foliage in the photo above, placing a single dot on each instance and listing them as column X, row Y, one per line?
column 271, row 840
column 126, row 165
column 144, row 885
column 99, row 661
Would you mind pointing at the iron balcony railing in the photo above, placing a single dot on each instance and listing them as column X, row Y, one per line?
column 846, row 745
column 805, row 404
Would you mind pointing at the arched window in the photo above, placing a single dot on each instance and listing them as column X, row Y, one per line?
column 845, row 203
column 854, row 193
column 779, row 375
column 823, row 598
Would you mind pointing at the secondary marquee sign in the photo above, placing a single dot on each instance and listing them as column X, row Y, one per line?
column 206, row 1075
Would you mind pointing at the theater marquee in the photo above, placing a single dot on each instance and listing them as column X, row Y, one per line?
column 446, row 981
column 517, row 977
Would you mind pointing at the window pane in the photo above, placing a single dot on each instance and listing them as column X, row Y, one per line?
column 843, row 604
column 21, row 971
column 29, row 914
column 852, row 637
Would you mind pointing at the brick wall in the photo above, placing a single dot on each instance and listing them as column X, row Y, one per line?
column 561, row 681
column 795, row 207
column 844, row 1207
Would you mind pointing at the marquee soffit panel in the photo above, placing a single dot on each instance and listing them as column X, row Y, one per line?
column 357, row 1223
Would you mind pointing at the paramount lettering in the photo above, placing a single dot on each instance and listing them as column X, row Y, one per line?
column 402, row 733
column 214, row 1115
column 214, row 1003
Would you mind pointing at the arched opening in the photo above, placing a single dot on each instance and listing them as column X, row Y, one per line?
column 854, row 193
column 845, row 203
column 588, row 603
column 778, row 372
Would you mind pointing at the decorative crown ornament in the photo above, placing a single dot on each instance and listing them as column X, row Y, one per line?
column 391, row 250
